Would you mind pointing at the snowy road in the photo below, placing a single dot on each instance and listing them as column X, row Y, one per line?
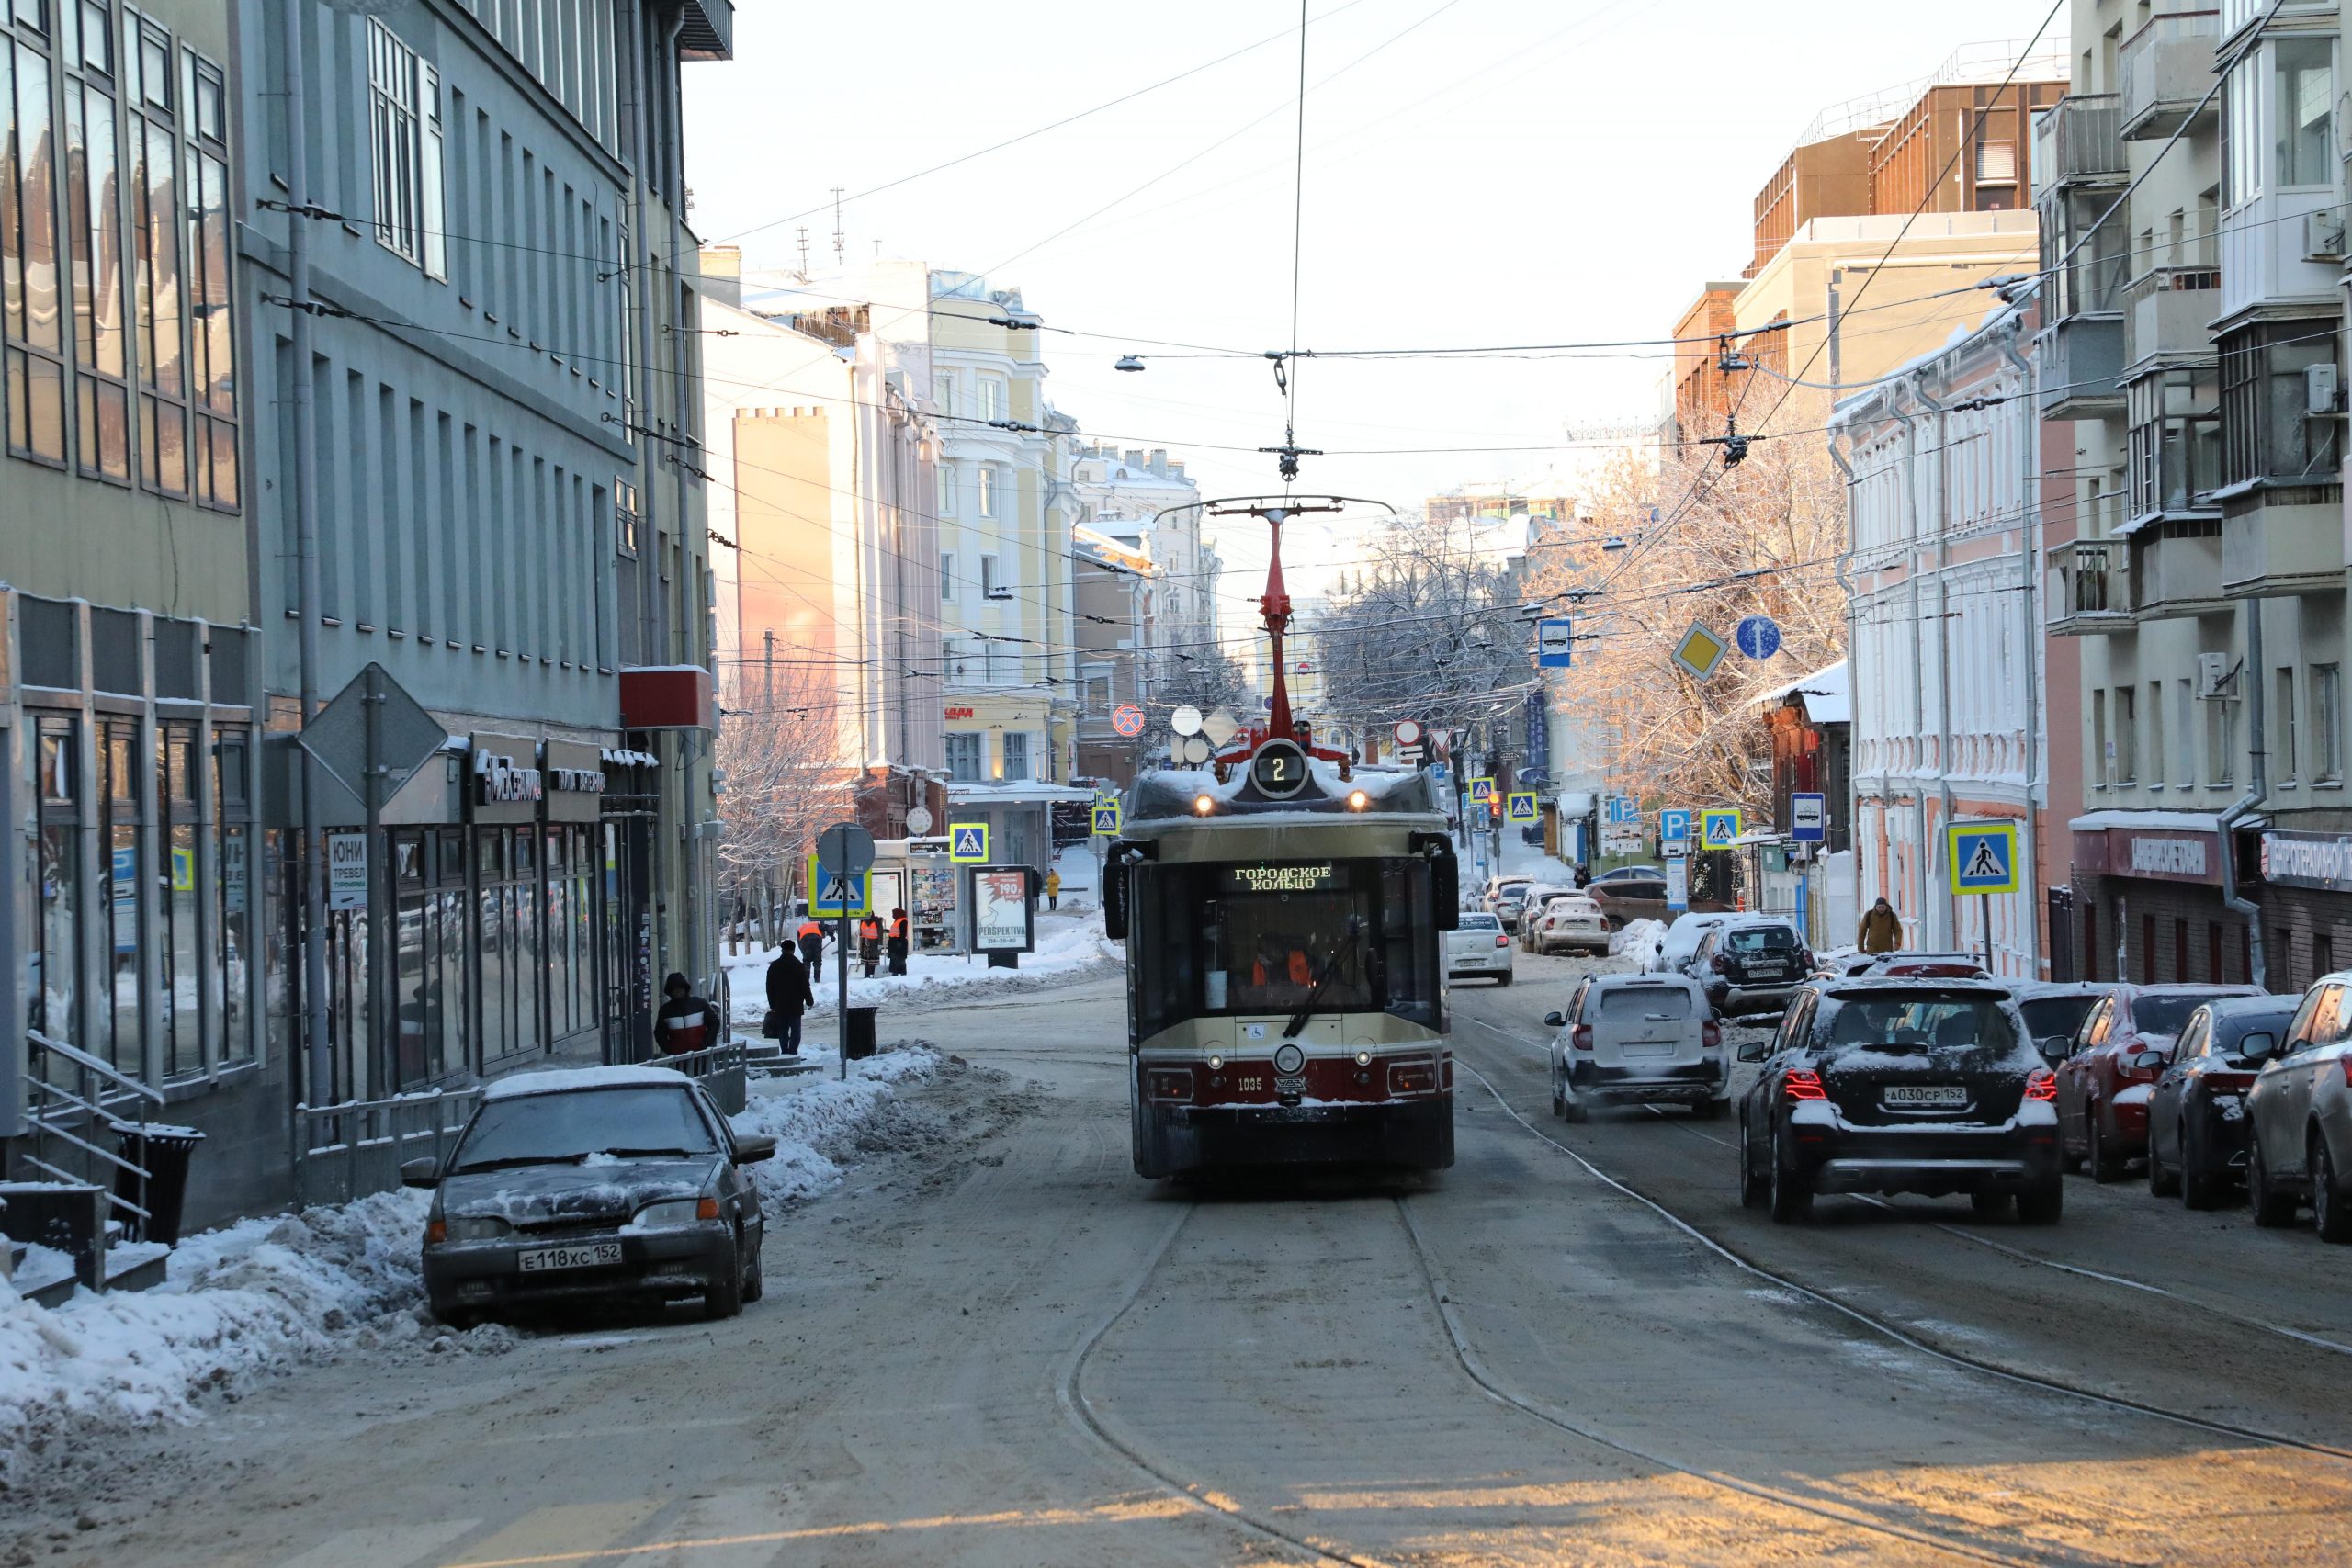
column 995, row 1346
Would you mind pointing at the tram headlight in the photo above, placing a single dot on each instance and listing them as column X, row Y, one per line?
column 1363, row 1058
column 1202, row 805
column 1358, row 800
column 1215, row 1063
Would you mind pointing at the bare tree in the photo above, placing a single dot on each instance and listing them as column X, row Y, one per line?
column 1206, row 678
column 787, row 779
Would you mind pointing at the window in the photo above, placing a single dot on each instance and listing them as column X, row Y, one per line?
column 405, row 146
column 943, row 393
column 1996, row 162
column 31, row 323
column 2102, row 747
column 2127, row 735
column 55, row 956
column 2157, row 761
column 624, row 519
column 946, row 475
column 2184, row 709
column 988, row 490
column 2220, row 743
column 2327, row 724
column 964, row 758
column 989, row 395
column 946, row 577
column 2303, row 107
column 231, row 934
column 1016, row 754
column 2282, row 725
column 2266, row 434
column 989, row 587
column 2176, row 420
column 2240, row 132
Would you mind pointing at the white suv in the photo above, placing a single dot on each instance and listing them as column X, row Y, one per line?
column 1478, row 945
column 1641, row 1039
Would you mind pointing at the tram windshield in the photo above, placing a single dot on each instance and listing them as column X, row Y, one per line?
column 1323, row 937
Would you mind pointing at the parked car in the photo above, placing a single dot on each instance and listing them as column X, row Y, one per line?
column 1531, row 905
column 2055, row 1010
column 1751, row 963
column 1675, row 950
column 2197, row 1116
column 1639, row 1039
column 1477, row 946
column 1909, row 964
column 1632, row 874
column 1489, row 896
column 1628, row 898
column 1571, row 923
column 2299, row 1116
column 2120, row 1051
column 592, row 1183
column 1901, row 1085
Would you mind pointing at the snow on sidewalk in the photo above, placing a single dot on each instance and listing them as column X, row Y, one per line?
column 266, row 1295
column 1066, row 947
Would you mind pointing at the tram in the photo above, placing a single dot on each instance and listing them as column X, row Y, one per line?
column 1284, row 918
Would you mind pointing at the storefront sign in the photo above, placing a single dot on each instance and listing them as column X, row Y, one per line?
column 2168, row 857
column 2158, row 854
column 954, row 712
column 575, row 775
column 346, row 870
column 1000, row 911
column 1317, row 878
column 2308, row 859
column 499, row 779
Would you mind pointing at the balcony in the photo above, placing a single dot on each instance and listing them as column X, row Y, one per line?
column 2166, row 68
column 2166, row 312
column 2176, row 567
column 2078, row 140
column 2081, row 361
column 2089, row 588
column 2291, row 542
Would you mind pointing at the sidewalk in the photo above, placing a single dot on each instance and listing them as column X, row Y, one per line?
column 1067, row 943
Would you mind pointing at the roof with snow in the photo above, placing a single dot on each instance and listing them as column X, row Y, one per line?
column 1827, row 695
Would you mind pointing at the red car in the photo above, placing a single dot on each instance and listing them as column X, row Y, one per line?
column 2122, row 1048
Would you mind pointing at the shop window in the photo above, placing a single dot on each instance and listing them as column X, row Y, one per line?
column 429, row 955
column 233, row 928
column 507, row 941
column 178, row 943
column 56, row 953
column 118, row 1014
column 571, row 933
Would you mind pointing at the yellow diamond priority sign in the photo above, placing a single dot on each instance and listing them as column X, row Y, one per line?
column 1699, row 651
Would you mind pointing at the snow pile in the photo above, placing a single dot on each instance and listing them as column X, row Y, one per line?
column 1637, row 940
column 1065, row 948
column 813, row 1119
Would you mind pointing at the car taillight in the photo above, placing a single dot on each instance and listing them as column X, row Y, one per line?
column 2228, row 1083
column 2042, row 1085
column 1580, row 1037
column 1168, row 1083
column 1797, row 1084
column 1502, row 942
column 1710, row 1034
column 1722, row 962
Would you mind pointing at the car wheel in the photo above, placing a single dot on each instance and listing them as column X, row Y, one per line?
column 458, row 1320
column 1989, row 1205
column 1753, row 1188
column 2271, row 1208
column 2331, row 1205
column 2201, row 1185
column 1711, row 1110
column 1571, row 1110
column 755, row 1282
column 2041, row 1205
column 2105, row 1166
column 1792, row 1194
column 1559, row 1101
column 2163, row 1181
column 724, row 1298
column 1502, row 979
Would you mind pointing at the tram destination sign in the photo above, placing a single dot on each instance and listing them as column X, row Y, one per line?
column 1320, row 876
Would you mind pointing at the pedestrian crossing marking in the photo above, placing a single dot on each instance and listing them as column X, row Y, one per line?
column 1982, row 857
column 968, row 842
column 566, row 1528
column 383, row 1546
column 1719, row 830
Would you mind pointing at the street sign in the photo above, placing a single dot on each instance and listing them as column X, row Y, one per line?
column 1220, row 727
column 1677, row 884
column 1555, row 644
column 1624, row 809
column 1758, row 636
column 1674, row 827
column 919, row 820
column 1522, row 807
column 1808, row 818
column 1408, row 732
column 845, row 846
column 405, row 735
column 1185, row 720
column 1127, row 719
column 346, row 870
column 1718, row 829
column 1481, row 791
column 839, row 895
column 1982, row 857
column 1699, row 651
column 968, row 842
column 1106, row 818
column 1196, row 749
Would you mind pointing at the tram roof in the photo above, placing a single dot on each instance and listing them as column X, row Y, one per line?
column 1171, row 795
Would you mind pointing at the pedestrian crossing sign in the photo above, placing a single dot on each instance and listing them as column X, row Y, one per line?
column 1718, row 829
column 1522, row 805
column 839, row 895
column 1982, row 857
column 968, row 842
column 1106, row 817
column 1481, row 791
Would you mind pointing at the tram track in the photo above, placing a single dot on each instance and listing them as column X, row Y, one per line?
column 1895, row 1331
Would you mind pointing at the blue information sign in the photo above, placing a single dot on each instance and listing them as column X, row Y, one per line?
column 1758, row 636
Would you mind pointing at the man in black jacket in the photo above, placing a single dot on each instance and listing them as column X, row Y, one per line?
column 788, row 998
column 685, row 1022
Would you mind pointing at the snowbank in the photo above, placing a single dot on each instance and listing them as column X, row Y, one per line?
column 1065, row 947
column 265, row 1295
column 1637, row 940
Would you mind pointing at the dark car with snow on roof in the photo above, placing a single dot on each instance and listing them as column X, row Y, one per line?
column 600, row 1183
column 1931, row 1086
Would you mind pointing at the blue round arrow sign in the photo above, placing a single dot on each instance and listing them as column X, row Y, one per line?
column 1758, row 636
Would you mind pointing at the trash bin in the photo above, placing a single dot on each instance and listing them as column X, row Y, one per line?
column 857, row 1041
column 163, row 1153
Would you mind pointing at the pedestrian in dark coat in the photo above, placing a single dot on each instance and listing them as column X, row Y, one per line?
column 685, row 1022
column 898, row 947
column 788, row 998
column 869, row 944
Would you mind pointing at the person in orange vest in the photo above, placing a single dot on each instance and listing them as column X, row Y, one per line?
column 898, row 935
column 869, row 943
column 1293, row 966
column 812, row 943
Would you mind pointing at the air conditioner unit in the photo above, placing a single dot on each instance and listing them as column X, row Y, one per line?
column 1000, row 594
column 2319, row 389
column 2217, row 678
column 2323, row 235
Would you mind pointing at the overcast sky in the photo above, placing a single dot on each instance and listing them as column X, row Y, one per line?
column 1478, row 171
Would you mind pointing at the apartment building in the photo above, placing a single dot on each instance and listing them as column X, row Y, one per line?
column 2192, row 356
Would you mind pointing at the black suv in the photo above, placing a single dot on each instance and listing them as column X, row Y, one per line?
column 1751, row 965
column 1901, row 1085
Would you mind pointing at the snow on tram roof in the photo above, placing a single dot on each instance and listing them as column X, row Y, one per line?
column 1171, row 793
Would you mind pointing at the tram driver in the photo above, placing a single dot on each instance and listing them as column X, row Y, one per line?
column 1280, row 975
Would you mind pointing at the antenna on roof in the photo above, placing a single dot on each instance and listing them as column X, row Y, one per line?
column 840, row 256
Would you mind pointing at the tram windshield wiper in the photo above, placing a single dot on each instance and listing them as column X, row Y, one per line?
column 1330, row 966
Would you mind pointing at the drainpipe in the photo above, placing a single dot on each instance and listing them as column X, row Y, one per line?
column 2029, row 554
column 2257, row 787
column 319, row 1087
column 1853, row 643
column 1919, row 681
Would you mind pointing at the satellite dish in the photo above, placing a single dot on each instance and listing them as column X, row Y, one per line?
column 1185, row 720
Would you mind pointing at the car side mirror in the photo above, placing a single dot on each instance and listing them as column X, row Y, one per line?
column 421, row 1172
column 752, row 1147
column 1756, row 1051
column 1555, row 1019
column 2258, row 1048
column 2054, row 1048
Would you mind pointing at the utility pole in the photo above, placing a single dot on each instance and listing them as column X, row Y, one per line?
column 767, row 699
column 319, row 1087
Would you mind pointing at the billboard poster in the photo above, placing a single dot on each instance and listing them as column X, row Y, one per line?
column 1001, row 916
